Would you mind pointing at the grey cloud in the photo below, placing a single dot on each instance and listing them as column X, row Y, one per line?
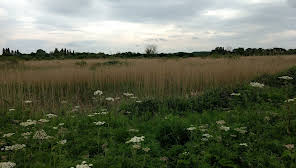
column 28, row 45
column 292, row 3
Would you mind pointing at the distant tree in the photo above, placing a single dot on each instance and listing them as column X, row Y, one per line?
column 41, row 53
column 151, row 49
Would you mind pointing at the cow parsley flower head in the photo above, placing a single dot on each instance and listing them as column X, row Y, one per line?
column 146, row 149
column 235, row 94
column 43, row 120
column 84, row 165
column 243, row 144
column 100, row 123
column 224, row 128
column 28, row 123
column 207, row 135
column 98, row 92
column 7, row 164
column 290, row 100
column 8, row 135
column 221, row 122
column 41, row 135
column 12, row 109
column 289, row 146
column 137, row 146
column 51, row 115
column 191, row 128
column 256, row 84
column 28, row 102
column 241, row 130
column 136, row 139
column 14, row 147
column 128, row 94
column 109, row 99
column 286, row 77
column 62, row 142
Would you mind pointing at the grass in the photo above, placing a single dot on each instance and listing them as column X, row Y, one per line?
column 256, row 128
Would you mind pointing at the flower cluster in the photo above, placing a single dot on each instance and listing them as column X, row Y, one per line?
column 26, row 134
column 243, row 144
column 256, row 84
column 235, row 94
column 51, row 115
column 8, row 135
column 28, row 123
column 241, row 130
column 290, row 100
column 98, row 92
column 43, row 120
column 62, row 142
column 191, row 128
column 7, row 164
column 286, row 77
column 109, row 99
column 14, row 147
column 128, row 94
column 289, row 146
column 100, row 123
column 136, row 139
column 83, row 165
column 41, row 135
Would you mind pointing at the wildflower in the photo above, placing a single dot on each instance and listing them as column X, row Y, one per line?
column 128, row 94
column 133, row 97
column 234, row 136
column 221, row 122
column 61, row 124
column 63, row 101
column 26, row 134
column 289, row 146
column 204, row 139
column 55, row 128
column 191, row 128
column 14, row 147
column 205, row 126
column 104, row 113
column 267, row 118
column 136, row 139
column 207, row 135
column 28, row 123
column 84, row 165
column 28, row 102
column 285, row 77
column 41, row 135
column 241, row 130
column 12, row 109
column 146, row 149
column 224, row 128
column 137, row 146
column 117, row 98
column 290, row 100
column 133, row 130
column 185, row 153
column 109, row 99
column 103, row 110
column 7, row 164
column 256, row 84
column 139, row 101
column 62, row 142
column 243, row 144
column 100, row 123
column 8, row 135
column 51, row 115
column 43, row 120
column 98, row 92
column 91, row 115
column 235, row 94
column 77, row 107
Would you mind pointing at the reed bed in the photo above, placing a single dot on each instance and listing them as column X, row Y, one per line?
column 47, row 83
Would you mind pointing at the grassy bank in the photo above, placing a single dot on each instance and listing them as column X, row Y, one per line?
column 242, row 126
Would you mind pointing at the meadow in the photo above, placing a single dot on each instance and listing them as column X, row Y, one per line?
column 188, row 112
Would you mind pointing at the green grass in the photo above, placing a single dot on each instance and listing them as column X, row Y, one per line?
column 260, row 124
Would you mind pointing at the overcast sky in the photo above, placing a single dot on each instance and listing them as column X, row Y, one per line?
column 129, row 25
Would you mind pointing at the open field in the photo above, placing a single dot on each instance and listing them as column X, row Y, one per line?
column 181, row 113
column 50, row 82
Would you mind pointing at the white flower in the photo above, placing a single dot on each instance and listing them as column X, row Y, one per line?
column 104, row 113
column 290, row 100
column 51, row 115
column 77, row 107
column 61, row 124
column 43, row 120
column 62, row 142
column 26, row 134
column 225, row 128
column 289, row 146
column 137, row 146
column 84, row 165
column 14, row 147
column 8, row 135
column 185, row 153
column 191, row 128
column 243, row 144
column 128, row 94
column 204, row 139
column 41, row 135
column 12, row 109
column 235, row 94
column 103, row 110
column 63, row 101
column 117, row 98
column 100, row 123
column 91, row 115
column 207, row 135
column 28, row 102
column 98, row 92
column 221, row 122
column 256, row 84
column 136, row 139
column 139, row 101
column 28, row 123
column 7, row 164
column 109, row 99
column 133, row 97
column 55, row 128
column 285, row 77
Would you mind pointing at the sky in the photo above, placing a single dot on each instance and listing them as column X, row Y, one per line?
column 113, row 26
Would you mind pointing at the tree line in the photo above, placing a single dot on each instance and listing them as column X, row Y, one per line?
column 149, row 52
